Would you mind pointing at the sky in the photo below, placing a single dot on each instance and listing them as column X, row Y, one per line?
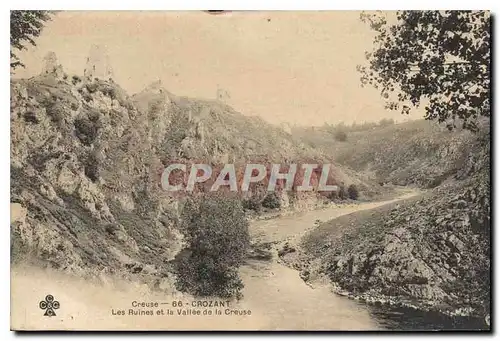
column 295, row 67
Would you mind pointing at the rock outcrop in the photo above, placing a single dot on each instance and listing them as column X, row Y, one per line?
column 430, row 253
column 80, row 172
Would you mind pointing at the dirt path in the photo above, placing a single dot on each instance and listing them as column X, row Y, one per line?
column 274, row 294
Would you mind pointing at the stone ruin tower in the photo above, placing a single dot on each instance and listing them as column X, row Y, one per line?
column 222, row 95
column 51, row 65
column 156, row 87
column 98, row 64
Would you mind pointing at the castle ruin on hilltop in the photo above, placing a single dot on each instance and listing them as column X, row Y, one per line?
column 51, row 65
column 222, row 95
column 98, row 64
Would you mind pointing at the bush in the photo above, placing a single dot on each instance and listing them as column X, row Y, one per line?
column 340, row 194
column 30, row 116
column 91, row 167
column 217, row 235
column 109, row 91
column 340, row 135
column 87, row 97
column 53, row 108
column 93, row 114
column 271, row 201
column 386, row 122
column 19, row 248
column 86, row 130
column 75, row 80
column 251, row 203
column 352, row 192
column 56, row 112
column 92, row 87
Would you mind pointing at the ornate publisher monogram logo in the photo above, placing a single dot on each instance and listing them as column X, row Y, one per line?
column 49, row 305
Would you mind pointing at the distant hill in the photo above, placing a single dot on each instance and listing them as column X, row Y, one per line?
column 420, row 153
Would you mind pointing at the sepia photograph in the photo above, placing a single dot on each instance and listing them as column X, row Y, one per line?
column 232, row 170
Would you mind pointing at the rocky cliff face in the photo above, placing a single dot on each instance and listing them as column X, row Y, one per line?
column 79, row 171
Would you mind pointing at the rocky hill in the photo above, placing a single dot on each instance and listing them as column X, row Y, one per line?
column 430, row 253
column 85, row 164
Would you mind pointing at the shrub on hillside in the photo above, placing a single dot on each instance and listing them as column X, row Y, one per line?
column 30, row 116
column 271, row 201
column 92, row 87
column 340, row 194
column 107, row 90
column 19, row 250
column 87, row 97
column 91, row 167
column 86, row 130
column 216, row 232
column 55, row 111
column 75, row 80
column 251, row 203
column 352, row 192
column 340, row 136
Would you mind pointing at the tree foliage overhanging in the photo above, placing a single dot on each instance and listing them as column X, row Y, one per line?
column 440, row 58
column 25, row 26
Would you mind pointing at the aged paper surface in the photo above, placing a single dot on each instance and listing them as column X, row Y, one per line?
column 232, row 170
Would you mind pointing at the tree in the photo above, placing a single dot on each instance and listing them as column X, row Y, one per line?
column 340, row 135
column 440, row 58
column 271, row 201
column 216, row 232
column 25, row 26
column 340, row 194
column 386, row 122
column 352, row 192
